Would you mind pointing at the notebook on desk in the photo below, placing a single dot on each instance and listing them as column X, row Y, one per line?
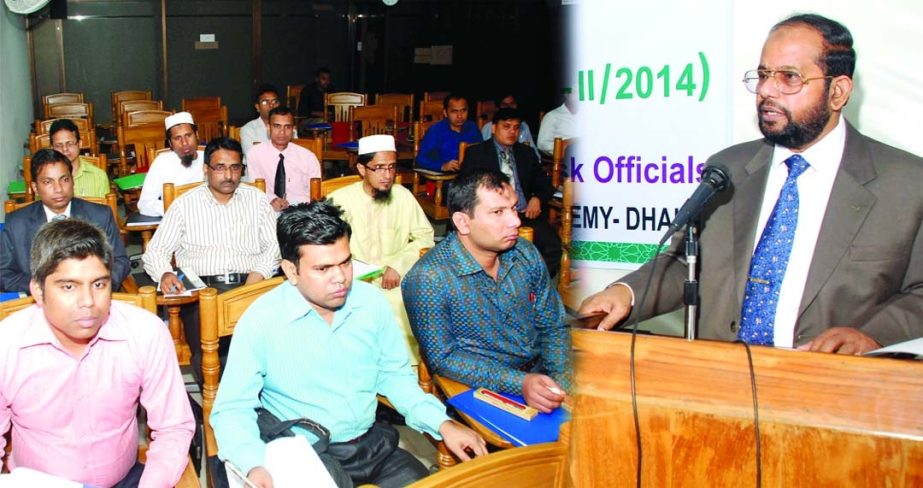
column 130, row 182
column 544, row 427
column 139, row 220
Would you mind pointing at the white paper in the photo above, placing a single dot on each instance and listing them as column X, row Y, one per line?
column 914, row 346
column 292, row 463
column 28, row 478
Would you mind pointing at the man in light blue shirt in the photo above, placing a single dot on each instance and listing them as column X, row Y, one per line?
column 322, row 346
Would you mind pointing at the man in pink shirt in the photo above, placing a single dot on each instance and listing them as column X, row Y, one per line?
column 287, row 168
column 74, row 366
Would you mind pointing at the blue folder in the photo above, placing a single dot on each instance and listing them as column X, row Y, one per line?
column 544, row 427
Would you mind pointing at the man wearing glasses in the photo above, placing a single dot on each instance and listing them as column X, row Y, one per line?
column 257, row 130
column 287, row 168
column 389, row 227
column 848, row 204
column 222, row 231
column 89, row 180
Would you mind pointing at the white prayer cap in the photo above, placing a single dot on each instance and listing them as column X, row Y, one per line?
column 373, row 144
column 179, row 118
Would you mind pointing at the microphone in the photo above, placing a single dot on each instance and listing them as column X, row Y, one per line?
column 715, row 179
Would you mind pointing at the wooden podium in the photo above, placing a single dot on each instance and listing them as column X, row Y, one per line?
column 825, row 419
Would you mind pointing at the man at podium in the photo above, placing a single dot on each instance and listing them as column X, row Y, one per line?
column 848, row 204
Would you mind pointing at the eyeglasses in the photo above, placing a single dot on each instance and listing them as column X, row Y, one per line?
column 270, row 101
column 788, row 82
column 221, row 167
column 391, row 168
column 65, row 145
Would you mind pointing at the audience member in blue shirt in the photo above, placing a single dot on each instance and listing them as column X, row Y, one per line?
column 439, row 147
column 481, row 303
column 322, row 346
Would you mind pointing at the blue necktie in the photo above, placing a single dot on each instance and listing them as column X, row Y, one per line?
column 770, row 260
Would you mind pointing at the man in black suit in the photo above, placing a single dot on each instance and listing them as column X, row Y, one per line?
column 53, row 185
column 503, row 153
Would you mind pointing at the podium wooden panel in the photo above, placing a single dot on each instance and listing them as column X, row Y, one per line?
column 825, row 420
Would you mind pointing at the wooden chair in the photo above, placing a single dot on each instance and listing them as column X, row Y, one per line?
column 486, row 111
column 337, row 105
column 54, row 98
column 374, row 119
column 120, row 96
column 293, row 96
column 537, row 466
column 43, row 126
column 141, row 130
column 234, row 133
column 171, row 192
column 403, row 102
column 433, row 206
column 211, row 122
column 435, row 96
column 431, row 111
column 315, row 145
column 557, row 159
column 137, row 118
column 88, row 141
column 126, row 106
column 322, row 188
column 219, row 315
column 70, row 110
column 197, row 103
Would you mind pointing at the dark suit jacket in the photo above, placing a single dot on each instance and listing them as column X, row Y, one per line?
column 534, row 181
column 21, row 227
column 867, row 270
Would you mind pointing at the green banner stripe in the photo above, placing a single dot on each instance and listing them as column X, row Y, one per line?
column 614, row 252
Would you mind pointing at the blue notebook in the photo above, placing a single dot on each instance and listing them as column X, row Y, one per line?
column 543, row 428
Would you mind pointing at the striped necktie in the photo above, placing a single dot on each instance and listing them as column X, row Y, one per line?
column 770, row 260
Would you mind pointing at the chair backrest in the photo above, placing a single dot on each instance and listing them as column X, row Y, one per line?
column 145, row 117
column 234, row 133
column 126, row 106
column 436, row 96
column 486, row 110
column 315, row 145
column 110, row 200
column 88, row 141
column 322, row 188
column 171, row 192
column 431, row 111
column 211, row 122
column 337, row 105
column 146, row 298
column 293, row 96
column 375, row 119
column 142, row 138
column 192, row 104
column 219, row 315
column 70, row 110
column 54, row 98
column 566, row 233
column 43, row 126
column 119, row 96
column 403, row 102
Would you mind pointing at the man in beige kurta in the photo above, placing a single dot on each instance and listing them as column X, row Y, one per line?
column 388, row 226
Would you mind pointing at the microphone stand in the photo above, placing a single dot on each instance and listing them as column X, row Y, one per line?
column 691, row 286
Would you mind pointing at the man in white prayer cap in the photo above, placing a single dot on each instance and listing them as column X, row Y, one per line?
column 180, row 166
column 388, row 226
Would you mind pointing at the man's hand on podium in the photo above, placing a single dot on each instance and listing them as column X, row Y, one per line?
column 615, row 301
column 841, row 340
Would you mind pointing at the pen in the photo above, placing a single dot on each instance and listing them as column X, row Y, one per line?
column 238, row 473
column 180, row 277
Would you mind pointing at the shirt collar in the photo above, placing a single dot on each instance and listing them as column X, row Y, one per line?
column 501, row 148
column 824, row 156
column 465, row 264
column 39, row 331
column 50, row 215
column 297, row 306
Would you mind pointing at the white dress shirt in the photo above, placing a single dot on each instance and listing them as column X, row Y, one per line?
column 814, row 187
column 254, row 131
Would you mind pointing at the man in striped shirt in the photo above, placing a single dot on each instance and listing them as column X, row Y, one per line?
column 222, row 231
